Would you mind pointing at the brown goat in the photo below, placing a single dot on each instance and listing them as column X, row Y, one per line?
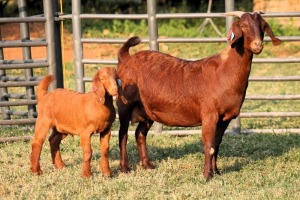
column 208, row 92
column 69, row 112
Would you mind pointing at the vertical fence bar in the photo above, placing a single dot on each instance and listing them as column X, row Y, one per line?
column 229, row 6
column 76, row 25
column 58, row 49
column 49, row 29
column 152, row 25
column 24, row 33
column 153, row 35
column 54, row 55
column 3, row 91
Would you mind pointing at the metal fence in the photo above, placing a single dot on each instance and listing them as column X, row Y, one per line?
column 53, row 62
column 53, row 49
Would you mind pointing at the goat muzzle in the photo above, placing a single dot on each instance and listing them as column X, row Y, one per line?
column 113, row 91
column 257, row 46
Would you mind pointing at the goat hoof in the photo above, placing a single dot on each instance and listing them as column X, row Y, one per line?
column 107, row 174
column 60, row 166
column 125, row 169
column 217, row 172
column 37, row 172
column 208, row 177
column 148, row 166
column 86, row 175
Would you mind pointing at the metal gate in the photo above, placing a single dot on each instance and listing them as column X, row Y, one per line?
column 152, row 17
column 25, row 95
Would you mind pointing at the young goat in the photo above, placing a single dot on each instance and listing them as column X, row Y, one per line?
column 176, row 92
column 69, row 112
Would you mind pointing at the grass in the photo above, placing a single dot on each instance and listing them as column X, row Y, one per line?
column 257, row 166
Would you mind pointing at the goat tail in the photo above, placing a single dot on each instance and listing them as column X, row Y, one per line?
column 42, row 88
column 124, row 51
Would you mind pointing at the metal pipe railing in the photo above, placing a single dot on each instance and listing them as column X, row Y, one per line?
column 171, row 15
column 181, row 40
column 24, row 43
column 53, row 62
column 6, row 20
column 76, row 25
column 153, row 44
column 28, row 72
column 152, row 17
column 3, row 90
column 53, row 39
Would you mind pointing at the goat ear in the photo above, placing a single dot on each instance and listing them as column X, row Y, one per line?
column 266, row 28
column 98, row 87
column 235, row 33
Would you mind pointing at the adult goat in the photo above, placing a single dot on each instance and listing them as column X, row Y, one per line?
column 208, row 92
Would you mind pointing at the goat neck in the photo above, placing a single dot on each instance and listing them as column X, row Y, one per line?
column 235, row 65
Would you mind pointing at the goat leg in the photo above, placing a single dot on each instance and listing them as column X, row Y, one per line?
column 55, row 141
column 87, row 151
column 123, row 135
column 221, row 127
column 40, row 133
column 104, row 149
column 140, row 137
column 35, row 157
column 208, row 138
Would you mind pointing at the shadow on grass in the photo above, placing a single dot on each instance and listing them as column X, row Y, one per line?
column 249, row 147
column 243, row 148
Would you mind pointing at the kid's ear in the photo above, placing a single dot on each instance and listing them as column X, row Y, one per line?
column 235, row 33
column 98, row 87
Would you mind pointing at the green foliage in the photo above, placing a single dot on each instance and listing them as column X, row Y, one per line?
column 288, row 29
column 113, row 28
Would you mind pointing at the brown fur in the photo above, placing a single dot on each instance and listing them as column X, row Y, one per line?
column 176, row 92
column 68, row 112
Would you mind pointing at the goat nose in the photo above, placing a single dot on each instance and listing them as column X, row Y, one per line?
column 258, row 43
column 114, row 91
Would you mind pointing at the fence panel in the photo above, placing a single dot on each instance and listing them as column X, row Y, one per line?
column 53, row 60
column 10, row 86
column 152, row 17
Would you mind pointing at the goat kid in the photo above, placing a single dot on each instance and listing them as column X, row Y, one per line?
column 208, row 92
column 68, row 112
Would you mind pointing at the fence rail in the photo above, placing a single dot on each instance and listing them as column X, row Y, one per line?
column 53, row 60
column 9, row 101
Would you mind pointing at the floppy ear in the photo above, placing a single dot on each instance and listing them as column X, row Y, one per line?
column 98, row 87
column 266, row 28
column 235, row 33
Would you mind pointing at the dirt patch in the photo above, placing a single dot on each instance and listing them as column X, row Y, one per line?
column 37, row 31
column 92, row 51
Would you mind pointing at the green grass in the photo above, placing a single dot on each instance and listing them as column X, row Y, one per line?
column 258, row 166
